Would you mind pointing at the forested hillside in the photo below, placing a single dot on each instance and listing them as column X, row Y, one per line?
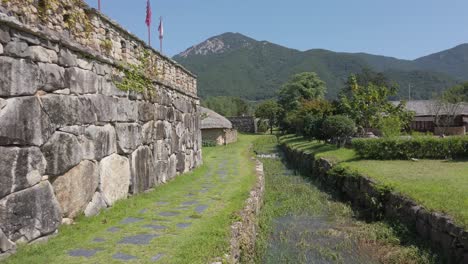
column 235, row 65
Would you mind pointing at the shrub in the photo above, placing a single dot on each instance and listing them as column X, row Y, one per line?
column 209, row 143
column 313, row 127
column 408, row 148
column 338, row 128
column 262, row 126
column 391, row 126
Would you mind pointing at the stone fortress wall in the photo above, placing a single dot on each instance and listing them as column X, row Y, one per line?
column 70, row 140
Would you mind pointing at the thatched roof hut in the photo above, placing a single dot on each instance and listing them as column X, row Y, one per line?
column 216, row 129
column 210, row 119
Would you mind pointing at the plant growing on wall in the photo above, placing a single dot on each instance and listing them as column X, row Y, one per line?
column 137, row 77
column 106, row 46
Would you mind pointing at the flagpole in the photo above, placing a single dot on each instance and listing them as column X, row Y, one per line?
column 149, row 35
column 99, row 5
column 161, row 28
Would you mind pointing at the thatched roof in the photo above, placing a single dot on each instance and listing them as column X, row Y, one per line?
column 425, row 107
column 211, row 119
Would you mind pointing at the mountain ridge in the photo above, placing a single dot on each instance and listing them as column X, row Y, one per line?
column 237, row 65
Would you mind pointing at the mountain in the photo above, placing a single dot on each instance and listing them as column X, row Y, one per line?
column 232, row 64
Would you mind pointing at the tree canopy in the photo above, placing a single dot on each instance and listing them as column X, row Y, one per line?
column 269, row 110
column 227, row 105
column 305, row 86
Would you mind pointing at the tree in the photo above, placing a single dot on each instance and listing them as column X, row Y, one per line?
column 269, row 110
column 227, row 105
column 338, row 128
column 306, row 86
column 368, row 104
column 457, row 94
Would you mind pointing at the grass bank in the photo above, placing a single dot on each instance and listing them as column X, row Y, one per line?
column 438, row 185
column 300, row 223
column 220, row 186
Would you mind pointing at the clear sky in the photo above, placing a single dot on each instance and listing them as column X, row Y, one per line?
column 404, row 29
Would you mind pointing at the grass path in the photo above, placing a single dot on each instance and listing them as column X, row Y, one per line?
column 184, row 221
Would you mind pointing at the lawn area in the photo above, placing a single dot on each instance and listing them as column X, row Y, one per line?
column 186, row 220
column 436, row 184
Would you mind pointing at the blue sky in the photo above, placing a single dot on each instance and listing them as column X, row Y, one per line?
column 404, row 29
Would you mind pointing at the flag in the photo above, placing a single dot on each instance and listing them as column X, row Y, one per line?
column 161, row 28
column 149, row 14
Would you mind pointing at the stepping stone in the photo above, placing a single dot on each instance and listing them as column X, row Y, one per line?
column 124, row 257
column 99, row 240
column 113, row 229
column 183, row 225
column 169, row 213
column 190, row 203
column 162, row 203
column 143, row 211
column 87, row 253
column 143, row 239
column 155, row 227
column 157, row 257
column 201, row 208
column 131, row 220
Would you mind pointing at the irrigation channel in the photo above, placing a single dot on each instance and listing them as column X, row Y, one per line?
column 302, row 223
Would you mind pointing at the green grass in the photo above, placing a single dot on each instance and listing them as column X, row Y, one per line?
column 297, row 196
column 436, row 184
column 207, row 237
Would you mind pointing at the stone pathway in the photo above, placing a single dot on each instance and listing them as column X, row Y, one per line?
column 141, row 237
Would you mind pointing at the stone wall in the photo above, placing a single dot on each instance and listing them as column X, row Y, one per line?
column 246, row 124
column 438, row 229
column 244, row 232
column 71, row 142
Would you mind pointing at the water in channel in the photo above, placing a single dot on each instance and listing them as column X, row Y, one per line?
column 300, row 223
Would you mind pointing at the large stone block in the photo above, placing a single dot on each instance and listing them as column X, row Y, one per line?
column 149, row 133
column 62, row 152
column 4, row 35
column 5, row 243
column 96, row 205
column 172, row 170
column 162, row 171
column 129, row 137
column 18, row 77
column 65, row 110
column 31, row 213
column 52, row 77
column 75, row 189
column 98, row 142
column 16, row 48
column 67, row 59
column 143, row 170
column 23, row 122
column 81, row 81
column 21, row 168
column 161, row 150
column 180, row 162
column 160, row 130
column 41, row 54
column 146, row 111
column 115, row 178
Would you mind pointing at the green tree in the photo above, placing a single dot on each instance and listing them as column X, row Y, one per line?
column 269, row 110
column 368, row 104
column 227, row 105
column 338, row 128
column 457, row 94
column 306, row 86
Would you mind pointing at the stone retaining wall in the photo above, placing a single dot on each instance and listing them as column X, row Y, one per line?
column 71, row 142
column 244, row 124
column 244, row 232
column 438, row 229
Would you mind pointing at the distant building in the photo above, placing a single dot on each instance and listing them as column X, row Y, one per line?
column 424, row 116
column 216, row 128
